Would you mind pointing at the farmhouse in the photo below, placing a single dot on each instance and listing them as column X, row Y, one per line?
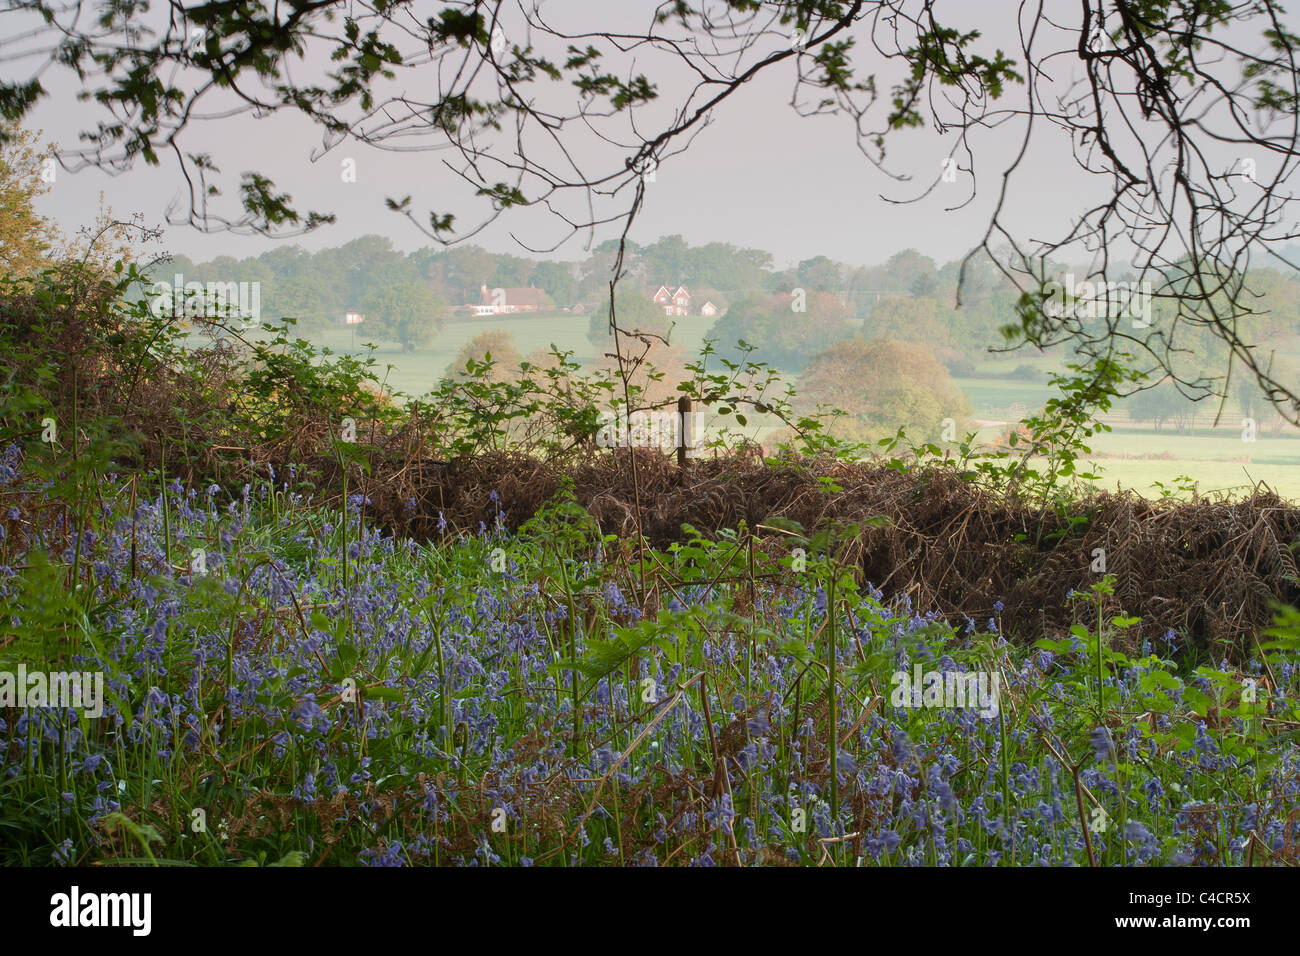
column 507, row 301
column 678, row 302
column 673, row 303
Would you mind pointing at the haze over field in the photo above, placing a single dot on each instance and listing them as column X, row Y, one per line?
column 1160, row 435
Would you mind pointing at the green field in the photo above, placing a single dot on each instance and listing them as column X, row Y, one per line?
column 1210, row 476
column 417, row 372
column 992, row 398
column 1217, row 459
column 1135, row 455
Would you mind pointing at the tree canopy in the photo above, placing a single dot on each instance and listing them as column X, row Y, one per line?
column 786, row 330
column 880, row 385
column 403, row 311
column 1184, row 114
column 26, row 237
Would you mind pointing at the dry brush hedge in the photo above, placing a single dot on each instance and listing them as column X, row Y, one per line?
column 1210, row 569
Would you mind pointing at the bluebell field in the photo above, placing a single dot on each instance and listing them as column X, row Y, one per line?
column 285, row 685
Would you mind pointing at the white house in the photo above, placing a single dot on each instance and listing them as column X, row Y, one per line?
column 506, row 301
column 673, row 303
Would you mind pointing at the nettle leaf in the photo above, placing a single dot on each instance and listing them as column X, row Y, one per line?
column 782, row 524
column 604, row 657
column 1199, row 702
column 1159, row 678
column 1061, row 646
column 796, row 649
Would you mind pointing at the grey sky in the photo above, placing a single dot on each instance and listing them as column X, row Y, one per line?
column 759, row 176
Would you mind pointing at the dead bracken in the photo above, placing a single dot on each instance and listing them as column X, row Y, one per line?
column 1209, row 567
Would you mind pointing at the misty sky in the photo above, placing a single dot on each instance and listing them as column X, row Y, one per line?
column 759, row 176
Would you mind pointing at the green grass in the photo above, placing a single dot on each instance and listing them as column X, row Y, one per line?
column 1210, row 476
column 1220, row 444
column 992, row 398
column 1208, row 460
column 1135, row 455
column 417, row 372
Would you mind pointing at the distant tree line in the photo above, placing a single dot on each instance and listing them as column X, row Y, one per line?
column 790, row 315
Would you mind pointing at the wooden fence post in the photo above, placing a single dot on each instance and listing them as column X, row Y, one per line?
column 683, row 411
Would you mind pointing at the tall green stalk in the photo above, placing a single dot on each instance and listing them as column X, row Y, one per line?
column 1006, row 771
column 167, row 511
column 1101, row 711
column 834, row 743
column 573, row 649
column 344, row 467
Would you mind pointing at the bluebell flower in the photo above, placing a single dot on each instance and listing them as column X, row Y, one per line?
column 64, row 853
column 887, row 841
column 1102, row 745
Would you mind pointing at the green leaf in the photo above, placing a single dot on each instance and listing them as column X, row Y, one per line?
column 796, row 649
column 1200, row 702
